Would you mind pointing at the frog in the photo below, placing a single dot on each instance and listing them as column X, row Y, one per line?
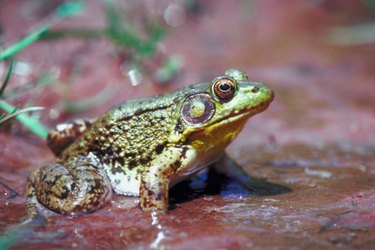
column 143, row 147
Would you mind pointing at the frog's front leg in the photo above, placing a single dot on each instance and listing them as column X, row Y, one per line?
column 65, row 134
column 156, row 179
column 81, row 186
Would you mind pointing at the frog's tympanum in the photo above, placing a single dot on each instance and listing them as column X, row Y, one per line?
column 144, row 146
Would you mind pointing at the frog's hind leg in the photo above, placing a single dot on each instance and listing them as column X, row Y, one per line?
column 65, row 134
column 81, row 189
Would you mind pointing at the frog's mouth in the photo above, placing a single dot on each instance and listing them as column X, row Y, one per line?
column 242, row 114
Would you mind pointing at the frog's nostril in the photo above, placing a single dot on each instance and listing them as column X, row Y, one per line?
column 255, row 89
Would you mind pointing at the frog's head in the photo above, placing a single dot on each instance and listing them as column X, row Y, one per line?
column 214, row 115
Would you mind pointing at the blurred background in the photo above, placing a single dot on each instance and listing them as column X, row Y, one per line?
column 79, row 58
column 88, row 56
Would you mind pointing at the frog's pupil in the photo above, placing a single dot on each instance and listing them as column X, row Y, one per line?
column 224, row 87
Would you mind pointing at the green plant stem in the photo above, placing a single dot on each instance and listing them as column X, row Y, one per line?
column 29, row 122
column 15, row 48
column 66, row 9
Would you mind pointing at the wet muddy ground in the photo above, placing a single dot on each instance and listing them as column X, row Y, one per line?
column 312, row 153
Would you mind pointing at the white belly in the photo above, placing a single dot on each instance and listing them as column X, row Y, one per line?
column 125, row 184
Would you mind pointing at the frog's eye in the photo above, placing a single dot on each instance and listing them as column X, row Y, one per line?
column 198, row 109
column 224, row 88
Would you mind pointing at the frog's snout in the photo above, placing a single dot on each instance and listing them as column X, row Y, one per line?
column 261, row 92
column 267, row 93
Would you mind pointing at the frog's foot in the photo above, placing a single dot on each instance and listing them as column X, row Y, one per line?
column 80, row 189
column 33, row 215
column 153, row 193
column 65, row 134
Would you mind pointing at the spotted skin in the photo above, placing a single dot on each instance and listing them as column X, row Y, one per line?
column 155, row 181
column 65, row 134
column 79, row 186
column 144, row 146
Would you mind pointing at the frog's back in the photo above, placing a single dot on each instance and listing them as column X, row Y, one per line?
column 138, row 106
column 129, row 136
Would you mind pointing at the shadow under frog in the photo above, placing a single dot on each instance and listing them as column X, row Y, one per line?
column 213, row 182
column 143, row 147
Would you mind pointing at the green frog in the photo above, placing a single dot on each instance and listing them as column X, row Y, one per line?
column 143, row 147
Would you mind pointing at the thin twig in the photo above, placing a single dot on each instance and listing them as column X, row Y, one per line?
column 25, row 110
column 5, row 83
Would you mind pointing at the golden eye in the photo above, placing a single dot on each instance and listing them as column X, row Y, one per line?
column 224, row 88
